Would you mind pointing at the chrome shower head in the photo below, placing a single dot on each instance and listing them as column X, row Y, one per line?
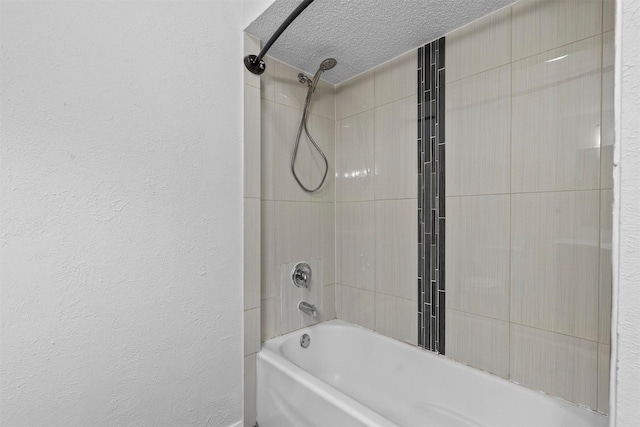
column 325, row 65
column 328, row 64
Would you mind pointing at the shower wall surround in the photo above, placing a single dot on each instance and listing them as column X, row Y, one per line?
column 528, row 184
column 529, row 136
column 296, row 226
column 376, row 199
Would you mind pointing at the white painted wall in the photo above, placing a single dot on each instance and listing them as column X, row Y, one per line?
column 121, row 198
column 625, row 396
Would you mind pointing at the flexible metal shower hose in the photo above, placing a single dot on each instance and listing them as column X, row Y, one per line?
column 303, row 125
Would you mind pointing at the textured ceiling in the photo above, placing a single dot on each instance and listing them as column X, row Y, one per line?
column 361, row 34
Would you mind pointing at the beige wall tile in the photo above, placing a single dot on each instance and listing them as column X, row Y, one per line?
column 269, row 272
column 396, row 168
column 250, row 390
column 328, row 303
column 270, row 319
column 355, row 161
column 323, row 101
column 604, row 311
column 608, row 119
column 556, row 119
column 293, row 219
column 396, row 235
column 287, row 89
column 356, row 306
column 267, row 80
column 556, row 364
column 251, row 253
column 604, row 359
column 252, row 156
column 540, row 25
column 355, row 95
column 251, row 331
column 554, row 261
column 396, row 318
column 479, row 46
column 396, row 79
column 477, row 255
column 608, row 15
column 478, row 129
column 314, row 221
column 478, row 341
column 269, row 110
column 356, row 244
column 323, row 244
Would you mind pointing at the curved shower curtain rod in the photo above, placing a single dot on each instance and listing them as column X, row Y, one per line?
column 254, row 63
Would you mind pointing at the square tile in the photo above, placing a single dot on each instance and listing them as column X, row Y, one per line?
column 478, row 122
column 467, row 48
column 554, row 261
column 396, row 234
column 477, row 255
column 478, row 341
column 396, row 150
column 556, row 119
column 540, row 25
column 355, row 234
column 556, row 364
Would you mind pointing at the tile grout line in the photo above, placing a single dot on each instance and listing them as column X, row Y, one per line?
column 510, row 184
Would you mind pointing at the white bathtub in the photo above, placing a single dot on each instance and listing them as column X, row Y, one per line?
column 349, row 376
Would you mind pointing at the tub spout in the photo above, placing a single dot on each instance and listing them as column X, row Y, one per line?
column 307, row 308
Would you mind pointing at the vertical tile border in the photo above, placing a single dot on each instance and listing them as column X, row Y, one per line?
column 431, row 196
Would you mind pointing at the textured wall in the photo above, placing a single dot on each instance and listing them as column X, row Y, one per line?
column 627, row 216
column 121, row 213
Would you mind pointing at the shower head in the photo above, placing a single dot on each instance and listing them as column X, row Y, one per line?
column 328, row 64
column 325, row 65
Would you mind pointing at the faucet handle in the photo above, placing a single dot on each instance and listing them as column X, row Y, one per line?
column 301, row 275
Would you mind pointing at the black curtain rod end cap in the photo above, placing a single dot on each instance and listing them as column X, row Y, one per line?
column 256, row 67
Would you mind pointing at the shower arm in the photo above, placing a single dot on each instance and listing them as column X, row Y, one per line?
column 254, row 63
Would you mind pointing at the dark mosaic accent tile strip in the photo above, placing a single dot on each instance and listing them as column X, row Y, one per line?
column 431, row 195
